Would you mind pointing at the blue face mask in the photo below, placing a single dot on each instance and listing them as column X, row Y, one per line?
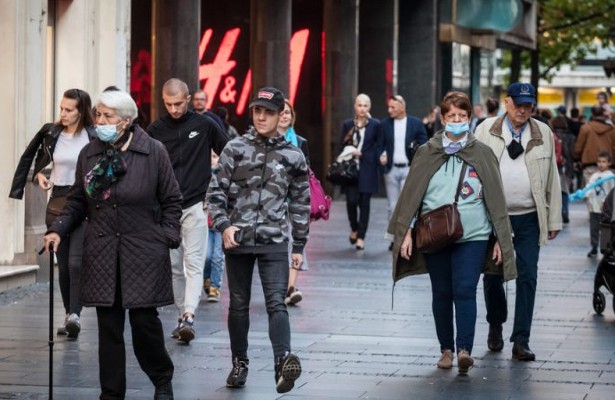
column 107, row 133
column 457, row 128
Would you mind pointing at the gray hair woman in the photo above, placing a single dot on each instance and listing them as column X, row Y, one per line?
column 126, row 187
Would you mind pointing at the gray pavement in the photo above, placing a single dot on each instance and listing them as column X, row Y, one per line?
column 351, row 343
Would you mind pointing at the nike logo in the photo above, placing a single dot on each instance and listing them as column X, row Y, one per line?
column 193, row 134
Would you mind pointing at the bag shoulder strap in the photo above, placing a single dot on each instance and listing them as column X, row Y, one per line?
column 461, row 177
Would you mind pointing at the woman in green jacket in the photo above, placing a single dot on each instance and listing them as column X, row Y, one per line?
column 455, row 270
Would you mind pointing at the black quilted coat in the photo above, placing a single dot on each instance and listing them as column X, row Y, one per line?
column 128, row 235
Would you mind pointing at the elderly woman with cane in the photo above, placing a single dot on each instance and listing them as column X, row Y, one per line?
column 126, row 188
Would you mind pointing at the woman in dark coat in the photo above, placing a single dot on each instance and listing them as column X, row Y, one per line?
column 58, row 144
column 126, row 187
column 362, row 132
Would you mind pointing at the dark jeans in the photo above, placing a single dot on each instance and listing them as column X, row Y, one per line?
column 357, row 206
column 594, row 229
column 147, row 342
column 525, row 240
column 70, row 252
column 273, row 271
column 565, row 212
column 454, row 274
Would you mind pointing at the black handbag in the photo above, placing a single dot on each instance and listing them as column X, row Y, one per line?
column 345, row 173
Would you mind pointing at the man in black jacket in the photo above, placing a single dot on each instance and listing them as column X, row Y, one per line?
column 402, row 135
column 189, row 139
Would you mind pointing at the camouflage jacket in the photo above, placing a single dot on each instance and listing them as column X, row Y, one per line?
column 261, row 186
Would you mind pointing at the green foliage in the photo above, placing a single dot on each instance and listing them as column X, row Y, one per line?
column 568, row 31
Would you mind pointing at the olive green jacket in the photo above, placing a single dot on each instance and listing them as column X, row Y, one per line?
column 427, row 160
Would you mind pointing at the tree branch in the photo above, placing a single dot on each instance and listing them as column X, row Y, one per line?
column 556, row 62
column 572, row 23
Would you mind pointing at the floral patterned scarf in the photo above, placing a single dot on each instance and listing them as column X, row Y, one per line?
column 109, row 167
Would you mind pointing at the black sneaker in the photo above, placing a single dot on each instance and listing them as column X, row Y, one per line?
column 62, row 328
column 239, row 374
column 175, row 331
column 592, row 253
column 186, row 329
column 287, row 371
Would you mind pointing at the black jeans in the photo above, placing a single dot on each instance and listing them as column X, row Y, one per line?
column 273, row 271
column 147, row 342
column 70, row 252
column 357, row 201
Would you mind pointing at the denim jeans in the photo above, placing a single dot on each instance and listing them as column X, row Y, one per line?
column 525, row 240
column 214, row 262
column 454, row 274
column 70, row 252
column 357, row 201
column 394, row 181
column 188, row 260
column 273, row 271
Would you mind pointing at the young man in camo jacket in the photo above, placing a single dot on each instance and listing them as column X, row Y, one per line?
column 263, row 180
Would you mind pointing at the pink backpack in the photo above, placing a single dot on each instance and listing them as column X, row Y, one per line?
column 320, row 203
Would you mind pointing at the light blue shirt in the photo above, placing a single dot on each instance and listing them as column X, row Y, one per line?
column 441, row 190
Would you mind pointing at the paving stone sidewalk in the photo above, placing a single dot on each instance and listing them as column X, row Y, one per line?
column 352, row 344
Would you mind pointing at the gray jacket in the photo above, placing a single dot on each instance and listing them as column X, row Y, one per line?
column 261, row 185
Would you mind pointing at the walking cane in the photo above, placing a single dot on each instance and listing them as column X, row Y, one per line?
column 51, row 260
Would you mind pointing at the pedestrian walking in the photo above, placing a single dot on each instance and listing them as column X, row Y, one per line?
column 189, row 139
column 262, row 184
column 362, row 132
column 601, row 183
column 595, row 136
column 59, row 144
column 402, row 134
column 525, row 150
column 454, row 165
column 286, row 127
column 125, row 186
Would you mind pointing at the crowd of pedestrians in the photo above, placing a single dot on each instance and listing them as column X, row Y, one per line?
column 140, row 219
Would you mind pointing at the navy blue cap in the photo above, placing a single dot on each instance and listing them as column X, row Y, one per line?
column 270, row 98
column 522, row 93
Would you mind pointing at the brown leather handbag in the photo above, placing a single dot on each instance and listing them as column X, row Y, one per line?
column 438, row 228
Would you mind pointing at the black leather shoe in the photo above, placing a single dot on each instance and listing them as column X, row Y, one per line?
column 164, row 392
column 495, row 342
column 522, row 352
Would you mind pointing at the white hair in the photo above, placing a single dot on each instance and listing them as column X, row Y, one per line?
column 121, row 102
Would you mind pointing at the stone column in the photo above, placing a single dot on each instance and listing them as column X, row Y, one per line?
column 341, row 25
column 378, row 52
column 270, row 30
column 23, row 35
column 419, row 55
column 175, row 46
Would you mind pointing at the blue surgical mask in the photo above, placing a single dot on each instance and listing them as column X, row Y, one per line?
column 457, row 128
column 107, row 133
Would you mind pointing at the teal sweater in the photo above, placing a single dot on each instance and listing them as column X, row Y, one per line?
column 441, row 190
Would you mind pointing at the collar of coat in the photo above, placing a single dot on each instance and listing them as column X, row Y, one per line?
column 139, row 143
column 535, row 134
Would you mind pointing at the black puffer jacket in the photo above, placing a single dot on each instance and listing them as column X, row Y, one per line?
column 128, row 236
column 42, row 145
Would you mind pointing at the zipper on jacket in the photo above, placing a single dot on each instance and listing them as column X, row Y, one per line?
column 260, row 191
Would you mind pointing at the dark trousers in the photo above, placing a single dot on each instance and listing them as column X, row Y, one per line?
column 273, row 271
column 357, row 206
column 565, row 208
column 70, row 252
column 525, row 240
column 454, row 274
column 147, row 341
column 594, row 229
